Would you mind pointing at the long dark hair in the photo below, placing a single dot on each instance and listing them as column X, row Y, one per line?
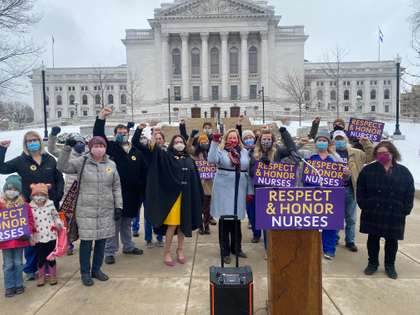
column 396, row 156
column 171, row 144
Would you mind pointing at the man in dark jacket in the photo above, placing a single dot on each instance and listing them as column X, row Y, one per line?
column 132, row 168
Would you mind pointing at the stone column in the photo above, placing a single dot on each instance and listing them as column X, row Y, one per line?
column 225, row 65
column 244, row 66
column 205, row 66
column 185, row 68
column 264, row 61
column 165, row 65
column 380, row 108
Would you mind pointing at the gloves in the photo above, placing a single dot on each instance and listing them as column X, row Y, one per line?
column 265, row 160
column 70, row 142
column 24, row 238
column 55, row 131
column 194, row 133
column 117, row 214
column 130, row 125
column 249, row 198
column 216, row 137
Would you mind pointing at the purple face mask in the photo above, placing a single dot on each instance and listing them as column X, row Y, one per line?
column 383, row 157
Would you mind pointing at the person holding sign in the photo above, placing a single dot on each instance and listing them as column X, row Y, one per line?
column 12, row 248
column 385, row 194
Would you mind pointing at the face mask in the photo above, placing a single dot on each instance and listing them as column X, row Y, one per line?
column 232, row 143
column 98, row 152
column 39, row 199
column 179, row 147
column 249, row 142
column 208, row 131
column 340, row 144
column 322, row 146
column 204, row 146
column 144, row 141
column 266, row 144
column 338, row 127
column 33, row 146
column 79, row 147
column 384, row 157
column 121, row 138
column 11, row 194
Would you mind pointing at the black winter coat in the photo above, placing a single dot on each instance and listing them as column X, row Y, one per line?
column 32, row 173
column 132, row 168
column 385, row 200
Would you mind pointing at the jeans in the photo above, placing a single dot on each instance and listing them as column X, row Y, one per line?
column 250, row 210
column 135, row 225
column 31, row 258
column 391, row 248
column 85, row 253
column 148, row 232
column 350, row 215
column 123, row 229
column 13, row 267
column 227, row 238
column 329, row 238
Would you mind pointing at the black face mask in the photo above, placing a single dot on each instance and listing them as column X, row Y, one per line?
column 204, row 146
column 338, row 127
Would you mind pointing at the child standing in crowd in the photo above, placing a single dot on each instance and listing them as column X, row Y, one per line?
column 47, row 222
column 13, row 249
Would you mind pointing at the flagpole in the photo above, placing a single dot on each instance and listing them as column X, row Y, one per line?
column 52, row 50
column 379, row 44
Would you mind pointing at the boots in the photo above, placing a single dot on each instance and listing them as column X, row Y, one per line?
column 53, row 275
column 41, row 276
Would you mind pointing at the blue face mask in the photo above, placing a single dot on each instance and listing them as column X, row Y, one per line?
column 249, row 142
column 340, row 144
column 321, row 146
column 79, row 147
column 120, row 138
column 33, row 146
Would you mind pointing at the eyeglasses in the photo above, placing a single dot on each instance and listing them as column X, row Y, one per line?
column 31, row 140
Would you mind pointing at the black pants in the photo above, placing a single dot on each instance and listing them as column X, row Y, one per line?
column 391, row 248
column 227, row 237
column 44, row 249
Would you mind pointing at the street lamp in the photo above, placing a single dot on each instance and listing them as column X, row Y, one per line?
column 169, row 104
column 44, row 98
column 359, row 103
column 76, row 106
column 397, row 131
column 261, row 92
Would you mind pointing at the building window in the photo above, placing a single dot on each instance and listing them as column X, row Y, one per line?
column 373, row 95
column 386, row 108
column 47, row 100
column 233, row 92
column 177, row 93
column 97, row 99
column 71, row 99
column 373, row 108
column 195, row 62
column 307, row 96
column 215, row 93
column 253, row 92
column 85, row 113
column 360, row 93
column 176, row 62
column 58, row 114
column 196, row 93
column 214, row 61
column 387, row 94
column 123, row 87
column 71, row 114
column 333, row 95
column 59, row 100
column 319, row 95
column 346, row 95
column 123, row 99
column 234, row 60
column 84, row 100
column 253, row 59
column 346, row 108
column 110, row 99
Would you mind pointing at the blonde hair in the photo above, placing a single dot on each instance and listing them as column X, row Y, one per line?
column 258, row 150
column 226, row 135
column 33, row 134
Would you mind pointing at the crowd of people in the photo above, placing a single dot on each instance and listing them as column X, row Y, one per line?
column 107, row 182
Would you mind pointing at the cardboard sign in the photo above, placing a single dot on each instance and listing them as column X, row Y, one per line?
column 300, row 208
column 14, row 223
column 207, row 171
column 275, row 175
column 365, row 128
column 332, row 173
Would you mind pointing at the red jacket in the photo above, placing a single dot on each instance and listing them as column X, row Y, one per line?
column 18, row 243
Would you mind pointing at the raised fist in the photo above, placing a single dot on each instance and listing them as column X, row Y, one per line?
column 5, row 143
column 194, row 133
column 130, row 125
column 70, row 142
column 142, row 126
column 216, row 137
column 105, row 112
column 55, row 130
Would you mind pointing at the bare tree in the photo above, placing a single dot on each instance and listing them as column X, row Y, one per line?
column 134, row 92
column 16, row 112
column 100, row 82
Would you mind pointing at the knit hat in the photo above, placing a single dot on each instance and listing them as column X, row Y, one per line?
column 38, row 189
column 96, row 140
column 203, row 139
column 339, row 133
column 324, row 134
column 77, row 137
column 13, row 181
column 339, row 121
column 247, row 133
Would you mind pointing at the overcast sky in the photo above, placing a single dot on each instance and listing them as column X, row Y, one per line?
column 89, row 33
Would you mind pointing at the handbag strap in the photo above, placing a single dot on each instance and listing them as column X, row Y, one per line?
column 79, row 182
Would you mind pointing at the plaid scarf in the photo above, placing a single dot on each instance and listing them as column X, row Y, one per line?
column 234, row 154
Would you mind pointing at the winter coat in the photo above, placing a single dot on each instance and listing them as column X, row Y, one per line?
column 385, row 199
column 32, row 173
column 357, row 160
column 132, row 169
column 223, row 195
column 207, row 184
column 100, row 194
column 45, row 218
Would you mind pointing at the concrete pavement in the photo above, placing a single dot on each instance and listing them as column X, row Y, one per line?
column 143, row 285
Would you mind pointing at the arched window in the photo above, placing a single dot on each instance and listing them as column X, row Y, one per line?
column 85, row 100
column 387, row 94
column 234, row 60
column 306, row 96
column 123, row 99
column 195, row 62
column 97, row 99
column 110, row 99
column 320, row 95
column 214, row 61
column 59, row 100
column 333, row 95
column 71, row 100
column 253, row 59
column 360, row 93
column 346, row 95
column 176, row 61
column 47, row 100
column 373, row 95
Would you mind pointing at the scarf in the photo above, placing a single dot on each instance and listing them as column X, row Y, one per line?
column 234, row 154
column 14, row 203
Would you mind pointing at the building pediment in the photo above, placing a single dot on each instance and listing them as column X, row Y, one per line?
column 200, row 8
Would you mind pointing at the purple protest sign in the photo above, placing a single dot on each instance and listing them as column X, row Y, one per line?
column 365, row 128
column 300, row 208
column 14, row 223
column 275, row 174
column 332, row 173
column 206, row 170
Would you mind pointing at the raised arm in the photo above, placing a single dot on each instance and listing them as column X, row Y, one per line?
column 7, row 167
column 314, row 128
column 214, row 152
column 67, row 166
column 183, row 130
column 135, row 141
